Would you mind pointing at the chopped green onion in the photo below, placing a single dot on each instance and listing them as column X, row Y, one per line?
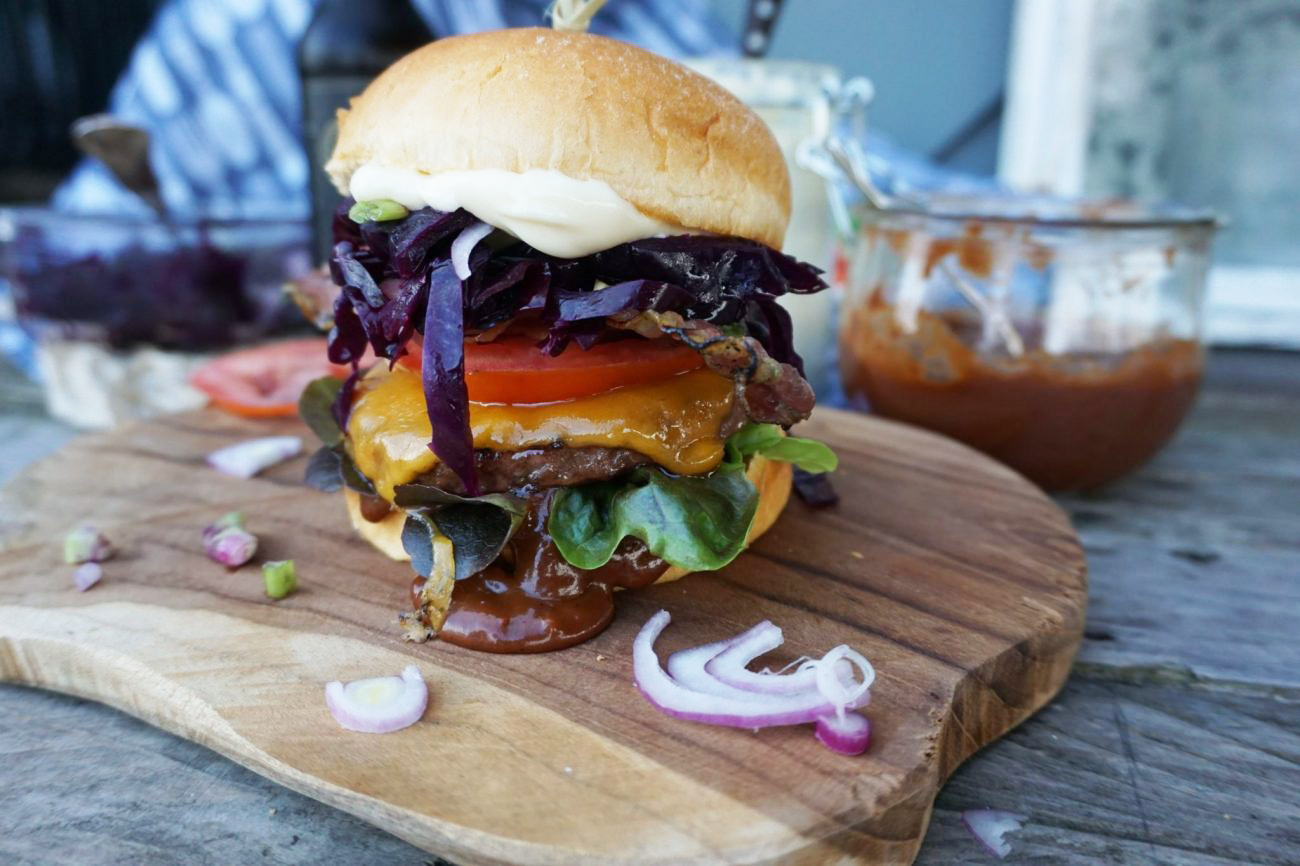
column 229, row 520
column 376, row 210
column 281, row 578
column 85, row 543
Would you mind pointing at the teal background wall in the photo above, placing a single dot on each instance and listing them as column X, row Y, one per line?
column 938, row 65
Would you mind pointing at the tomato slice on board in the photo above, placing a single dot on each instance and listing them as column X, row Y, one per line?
column 265, row 382
column 514, row 370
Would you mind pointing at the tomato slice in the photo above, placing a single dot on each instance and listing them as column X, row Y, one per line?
column 514, row 370
column 265, row 382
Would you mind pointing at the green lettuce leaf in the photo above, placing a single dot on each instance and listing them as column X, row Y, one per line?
column 351, row 476
column 695, row 522
column 316, row 408
column 325, row 470
column 766, row 439
column 331, row 469
column 478, row 527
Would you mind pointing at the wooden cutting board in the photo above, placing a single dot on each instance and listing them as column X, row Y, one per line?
column 962, row 583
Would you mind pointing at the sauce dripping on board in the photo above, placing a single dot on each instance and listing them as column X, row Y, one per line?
column 532, row 600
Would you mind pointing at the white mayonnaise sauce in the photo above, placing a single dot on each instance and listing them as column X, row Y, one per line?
column 557, row 214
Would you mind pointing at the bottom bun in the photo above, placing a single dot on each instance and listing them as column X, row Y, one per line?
column 771, row 477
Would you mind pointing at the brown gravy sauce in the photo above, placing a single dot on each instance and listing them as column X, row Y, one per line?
column 1065, row 421
column 532, row 600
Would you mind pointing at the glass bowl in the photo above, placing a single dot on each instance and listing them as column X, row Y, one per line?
column 1062, row 338
column 129, row 281
column 116, row 310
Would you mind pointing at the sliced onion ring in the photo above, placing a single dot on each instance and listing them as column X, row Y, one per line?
column 848, row 734
column 730, row 666
column 841, row 692
column 379, row 705
column 991, row 827
column 695, row 669
column 690, row 667
column 246, row 459
column 698, row 697
column 464, row 245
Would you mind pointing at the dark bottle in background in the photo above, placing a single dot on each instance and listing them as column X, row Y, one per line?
column 346, row 45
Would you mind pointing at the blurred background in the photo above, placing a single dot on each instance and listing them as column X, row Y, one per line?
column 1102, row 138
column 939, row 67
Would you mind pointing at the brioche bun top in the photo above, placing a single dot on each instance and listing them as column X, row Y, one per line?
column 675, row 145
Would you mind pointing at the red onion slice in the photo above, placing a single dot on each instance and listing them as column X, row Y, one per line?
column 379, row 705
column 694, row 668
column 730, row 666
column 690, row 667
column 87, row 575
column 246, row 459
column 464, row 245
column 758, row 711
column 849, row 734
column 842, row 691
column 990, row 827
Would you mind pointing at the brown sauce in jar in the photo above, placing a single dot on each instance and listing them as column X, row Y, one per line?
column 533, row 600
column 1067, row 421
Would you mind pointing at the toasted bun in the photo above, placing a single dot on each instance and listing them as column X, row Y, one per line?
column 384, row 534
column 770, row 477
column 677, row 146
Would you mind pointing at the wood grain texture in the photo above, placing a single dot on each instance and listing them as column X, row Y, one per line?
column 1194, row 559
column 1115, row 773
column 121, row 793
column 962, row 583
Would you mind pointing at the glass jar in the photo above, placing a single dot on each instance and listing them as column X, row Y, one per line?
column 797, row 100
column 1063, row 339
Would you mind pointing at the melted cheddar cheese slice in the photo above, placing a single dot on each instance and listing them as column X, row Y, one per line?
column 676, row 423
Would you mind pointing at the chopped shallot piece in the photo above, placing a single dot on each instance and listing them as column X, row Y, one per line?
column 379, row 705
column 87, row 575
column 85, row 543
column 232, row 546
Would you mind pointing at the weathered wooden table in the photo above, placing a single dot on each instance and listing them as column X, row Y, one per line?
column 1177, row 741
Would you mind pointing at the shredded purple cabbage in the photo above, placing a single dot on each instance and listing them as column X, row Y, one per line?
column 193, row 296
column 815, row 488
column 397, row 278
column 445, row 395
column 341, row 408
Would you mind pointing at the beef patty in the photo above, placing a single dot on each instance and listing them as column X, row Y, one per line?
column 523, row 472
column 536, row 468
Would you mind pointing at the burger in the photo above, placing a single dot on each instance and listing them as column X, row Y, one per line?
column 556, row 276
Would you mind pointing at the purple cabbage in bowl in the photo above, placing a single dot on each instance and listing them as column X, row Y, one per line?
column 127, row 282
